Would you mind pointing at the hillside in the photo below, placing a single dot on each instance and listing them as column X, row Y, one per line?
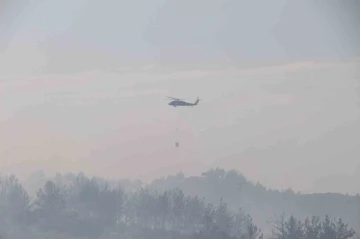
column 262, row 203
column 76, row 206
column 265, row 205
column 217, row 186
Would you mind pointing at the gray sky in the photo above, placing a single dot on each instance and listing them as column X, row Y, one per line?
column 83, row 88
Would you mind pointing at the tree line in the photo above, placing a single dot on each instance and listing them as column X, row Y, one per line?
column 261, row 202
column 89, row 208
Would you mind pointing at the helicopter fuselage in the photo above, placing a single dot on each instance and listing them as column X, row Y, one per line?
column 176, row 103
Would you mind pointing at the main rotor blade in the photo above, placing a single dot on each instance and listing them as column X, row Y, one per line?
column 174, row 98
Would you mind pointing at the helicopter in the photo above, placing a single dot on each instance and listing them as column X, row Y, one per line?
column 179, row 102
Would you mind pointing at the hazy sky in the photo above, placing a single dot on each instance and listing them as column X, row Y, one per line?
column 84, row 86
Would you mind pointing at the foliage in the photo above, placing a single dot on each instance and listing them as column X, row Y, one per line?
column 263, row 204
column 85, row 207
column 311, row 229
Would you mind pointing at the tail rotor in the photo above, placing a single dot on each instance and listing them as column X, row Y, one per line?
column 197, row 101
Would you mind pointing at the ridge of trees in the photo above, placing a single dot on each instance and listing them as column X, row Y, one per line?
column 88, row 208
column 264, row 203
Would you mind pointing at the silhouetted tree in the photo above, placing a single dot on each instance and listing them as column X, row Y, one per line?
column 294, row 229
column 342, row 231
column 312, row 228
column 279, row 228
column 251, row 231
column 14, row 201
column 50, row 207
column 223, row 218
column 177, row 209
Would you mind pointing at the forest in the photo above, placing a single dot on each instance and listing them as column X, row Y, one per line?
column 78, row 206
